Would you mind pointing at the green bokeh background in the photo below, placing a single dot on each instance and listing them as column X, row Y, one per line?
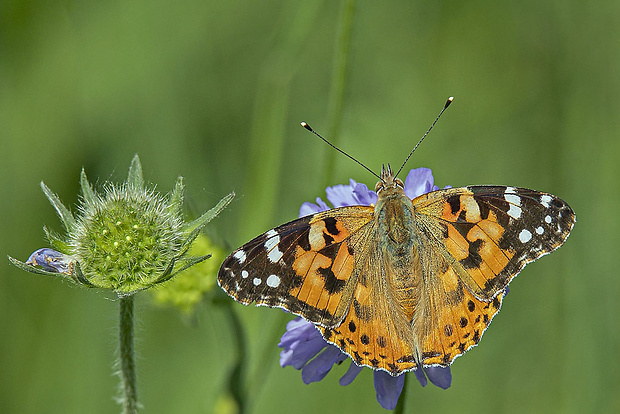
column 214, row 91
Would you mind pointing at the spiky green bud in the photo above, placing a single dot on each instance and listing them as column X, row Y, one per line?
column 127, row 239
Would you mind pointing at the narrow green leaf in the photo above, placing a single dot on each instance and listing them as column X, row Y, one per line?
column 87, row 191
column 79, row 276
column 200, row 222
column 55, row 241
column 176, row 196
column 195, row 227
column 188, row 262
column 63, row 212
column 135, row 173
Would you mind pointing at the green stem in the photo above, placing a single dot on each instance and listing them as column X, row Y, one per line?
column 129, row 397
column 400, row 407
column 339, row 82
column 236, row 383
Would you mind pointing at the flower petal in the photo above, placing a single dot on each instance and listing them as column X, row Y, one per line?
column 296, row 330
column 363, row 195
column 341, row 195
column 439, row 376
column 308, row 208
column 305, row 350
column 50, row 260
column 318, row 368
column 419, row 181
column 419, row 375
column 388, row 388
column 351, row 374
column 300, row 343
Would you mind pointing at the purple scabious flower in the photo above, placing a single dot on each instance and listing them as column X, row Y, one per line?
column 302, row 344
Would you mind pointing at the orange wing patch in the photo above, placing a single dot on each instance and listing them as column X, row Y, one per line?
column 472, row 234
column 461, row 322
column 324, row 278
column 370, row 336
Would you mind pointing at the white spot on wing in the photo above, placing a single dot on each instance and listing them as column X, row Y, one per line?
column 548, row 219
column 271, row 246
column 540, row 230
column 273, row 281
column 240, row 256
column 515, row 203
column 514, row 211
column 244, row 274
column 274, row 255
column 256, row 281
column 525, row 236
column 545, row 199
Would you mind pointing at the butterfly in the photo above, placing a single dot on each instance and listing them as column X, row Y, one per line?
column 407, row 282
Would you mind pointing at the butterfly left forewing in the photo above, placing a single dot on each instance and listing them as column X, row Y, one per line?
column 304, row 266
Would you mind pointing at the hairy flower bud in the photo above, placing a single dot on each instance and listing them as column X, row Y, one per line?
column 127, row 239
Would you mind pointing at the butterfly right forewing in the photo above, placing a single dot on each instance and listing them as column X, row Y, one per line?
column 477, row 239
column 489, row 233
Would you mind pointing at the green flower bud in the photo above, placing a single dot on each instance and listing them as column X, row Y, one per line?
column 127, row 239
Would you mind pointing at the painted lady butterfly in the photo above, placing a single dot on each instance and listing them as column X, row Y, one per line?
column 404, row 282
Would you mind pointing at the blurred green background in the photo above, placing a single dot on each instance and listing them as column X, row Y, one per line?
column 214, row 91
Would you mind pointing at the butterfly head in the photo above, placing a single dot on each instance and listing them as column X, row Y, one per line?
column 388, row 180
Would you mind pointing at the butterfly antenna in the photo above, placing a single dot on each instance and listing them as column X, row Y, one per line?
column 305, row 125
column 448, row 102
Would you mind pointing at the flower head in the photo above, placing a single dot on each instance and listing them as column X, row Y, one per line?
column 303, row 345
column 127, row 239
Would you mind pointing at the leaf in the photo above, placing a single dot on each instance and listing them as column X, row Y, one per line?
column 134, row 177
column 63, row 212
column 55, row 241
column 176, row 196
column 188, row 262
column 87, row 191
column 196, row 226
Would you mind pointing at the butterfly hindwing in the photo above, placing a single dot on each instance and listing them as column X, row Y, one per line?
column 376, row 331
column 459, row 319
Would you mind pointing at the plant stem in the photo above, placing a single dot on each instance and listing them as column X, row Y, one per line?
column 237, row 379
column 129, row 396
column 400, row 407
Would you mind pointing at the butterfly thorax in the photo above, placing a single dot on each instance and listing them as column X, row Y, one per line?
column 398, row 240
column 394, row 214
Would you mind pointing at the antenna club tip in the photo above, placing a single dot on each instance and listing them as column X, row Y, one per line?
column 305, row 125
column 449, row 101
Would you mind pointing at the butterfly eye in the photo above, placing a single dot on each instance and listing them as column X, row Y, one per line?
column 379, row 186
column 399, row 182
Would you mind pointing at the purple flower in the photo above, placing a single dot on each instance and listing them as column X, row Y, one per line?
column 302, row 344
column 304, row 348
column 50, row 260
